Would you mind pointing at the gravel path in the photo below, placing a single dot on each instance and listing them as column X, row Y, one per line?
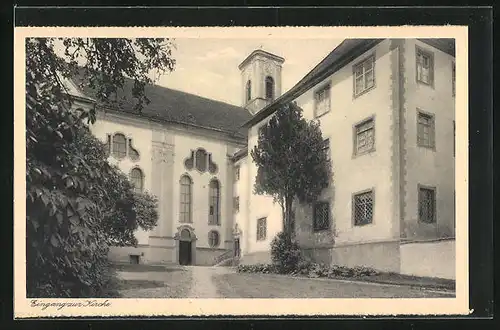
column 177, row 283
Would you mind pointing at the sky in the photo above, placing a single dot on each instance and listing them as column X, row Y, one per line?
column 209, row 67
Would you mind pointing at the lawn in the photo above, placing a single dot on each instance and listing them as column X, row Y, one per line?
column 144, row 281
column 243, row 285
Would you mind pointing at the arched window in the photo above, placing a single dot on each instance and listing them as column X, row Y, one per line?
column 137, row 179
column 249, row 90
column 214, row 201
column 119, row 145
column 269, row 88
column 201, row 160
column 185, row 234
column 186, row 197
column 213, row 239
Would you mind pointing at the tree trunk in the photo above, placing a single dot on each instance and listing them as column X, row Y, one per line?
column 288, row 216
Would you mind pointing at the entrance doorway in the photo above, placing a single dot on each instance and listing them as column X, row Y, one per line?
column 185, row 253
column 236, row 247
column 185, row 247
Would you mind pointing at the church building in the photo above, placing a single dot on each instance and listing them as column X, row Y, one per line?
column 386, row 109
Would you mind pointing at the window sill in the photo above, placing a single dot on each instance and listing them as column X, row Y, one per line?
column 432, row 148
column 363, row 92
column 421, row 82
column 362, row 225
column 323, row 114
column 319, row 231
column 356, row 155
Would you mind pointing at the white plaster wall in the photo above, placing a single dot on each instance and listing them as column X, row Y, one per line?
column 184, row 142
column 241, row 189
column 433, row 259
column 141, row 140
column 425, row 166
column 259, row 206
column 352, row 174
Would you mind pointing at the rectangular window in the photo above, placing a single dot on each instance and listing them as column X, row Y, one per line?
column 364, row 140
column 363, row 206
column 427, row 205
column 236, row 173
column 425, row 67
column 261, row 229
column 453, row 77
column 236, row 204
column 321, row 216
column 425, row 130
column 364, row 76
column 322, row 101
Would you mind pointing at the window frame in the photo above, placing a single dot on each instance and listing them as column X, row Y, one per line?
column 328, row 226
column 361, row 63
column 453, row 79
column 261, row 237
column 213, row 246
column 356, row 126
column 248, row 91
column 237, row 173
column 113, row 149
column 353, row 205
column 273, row 87
column 214, row 219
column 236, row 204
column 425, row 52
column 432, row 127
column 434, row 202
column 325, row 87
column 181, row 202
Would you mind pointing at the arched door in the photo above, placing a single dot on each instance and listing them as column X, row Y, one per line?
column 185, row 248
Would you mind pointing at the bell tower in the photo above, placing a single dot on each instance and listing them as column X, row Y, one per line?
column 261, row 79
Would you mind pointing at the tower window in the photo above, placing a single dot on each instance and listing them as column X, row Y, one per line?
column 249, row 90
column 269, row 88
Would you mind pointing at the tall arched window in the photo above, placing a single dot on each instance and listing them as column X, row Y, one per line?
column 214, row 203
column 269, row 88
column 201, row 160
column 119, row 145
column 249, row 90
column 137, row 179
column 186, row 197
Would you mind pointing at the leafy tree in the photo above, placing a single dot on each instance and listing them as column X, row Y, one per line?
column 76, row 203
column 291, row 162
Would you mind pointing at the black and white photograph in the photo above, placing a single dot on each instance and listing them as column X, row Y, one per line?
column 240, row 164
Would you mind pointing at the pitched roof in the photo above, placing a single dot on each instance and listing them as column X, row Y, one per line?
column 175, row 106
column 344, row 53
column 339, row 57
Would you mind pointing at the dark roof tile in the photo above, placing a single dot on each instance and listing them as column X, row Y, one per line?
column 180, row 107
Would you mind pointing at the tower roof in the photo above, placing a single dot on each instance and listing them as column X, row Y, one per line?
column 274, row 57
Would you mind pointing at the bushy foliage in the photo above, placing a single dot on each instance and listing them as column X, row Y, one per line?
column 312, row 270
column 257, row 268
column 291, row 161
column 285, row 253
column 76, row 202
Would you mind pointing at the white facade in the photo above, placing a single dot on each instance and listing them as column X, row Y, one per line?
column 393, row 170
